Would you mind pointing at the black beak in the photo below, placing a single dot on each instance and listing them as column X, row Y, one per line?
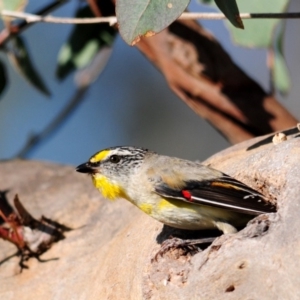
column 85, row 168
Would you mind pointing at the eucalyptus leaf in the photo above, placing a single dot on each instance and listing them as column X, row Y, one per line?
column 258, row 32
column 138, row 18
column 21, row 61
column 12, row 5
column 230, row 9
column 83, row 44
column 280, row 72
column 3, row 77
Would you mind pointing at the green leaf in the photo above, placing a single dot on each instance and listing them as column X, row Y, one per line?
column 230, row 9
column 280, row 72
column 21, row 60
column 258, row 33
column 12, row 5
column 138, row 18
column 3, row 78
column 84, row 43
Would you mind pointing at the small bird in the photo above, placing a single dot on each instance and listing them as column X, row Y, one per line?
column 179, row 193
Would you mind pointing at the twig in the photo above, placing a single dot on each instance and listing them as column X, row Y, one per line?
column 31, row 18
column 83, row 79
column 36, row 139
column 219, row 16
column 6, row 34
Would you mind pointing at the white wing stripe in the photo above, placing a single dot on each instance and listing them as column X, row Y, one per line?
column 218, row 204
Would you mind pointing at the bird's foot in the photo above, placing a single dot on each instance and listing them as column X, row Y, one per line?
column 188, row 246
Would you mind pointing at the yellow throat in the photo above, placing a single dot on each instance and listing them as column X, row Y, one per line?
column 108, row 189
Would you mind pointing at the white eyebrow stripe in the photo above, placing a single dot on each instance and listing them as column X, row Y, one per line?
column 120, row 152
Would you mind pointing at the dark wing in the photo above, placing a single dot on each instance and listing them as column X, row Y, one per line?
column 224, row 192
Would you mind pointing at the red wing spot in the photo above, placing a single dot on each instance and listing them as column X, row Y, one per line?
column 187, row 195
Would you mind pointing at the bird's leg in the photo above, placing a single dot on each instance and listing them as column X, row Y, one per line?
column 189, row 245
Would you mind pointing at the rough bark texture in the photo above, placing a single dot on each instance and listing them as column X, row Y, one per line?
column 108, row 254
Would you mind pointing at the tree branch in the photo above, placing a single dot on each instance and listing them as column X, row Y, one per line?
column 32, row 18
column 6, row 33
column 35, row 140
column 204, row 76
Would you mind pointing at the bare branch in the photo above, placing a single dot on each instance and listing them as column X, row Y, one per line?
column 36, row 139
column 204, row 76
column 6, row 33
column 31, row 18
column 219, row 16
column 112, row 20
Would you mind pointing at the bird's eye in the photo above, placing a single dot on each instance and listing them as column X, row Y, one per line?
column 114, row 159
